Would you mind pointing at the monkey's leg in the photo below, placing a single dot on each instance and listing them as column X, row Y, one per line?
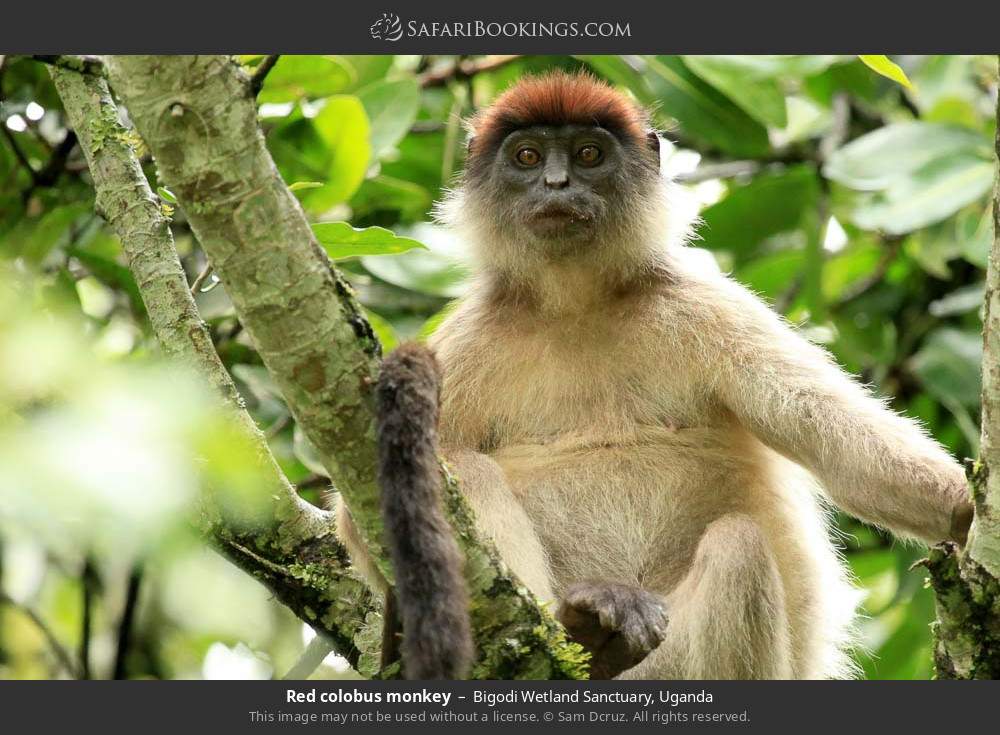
column 500, row 515
column 728, row 618
column 392, row 630
column 392, row 626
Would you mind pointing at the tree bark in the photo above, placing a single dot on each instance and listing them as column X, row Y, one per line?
column 967, row 582
column 292, row 550
column 199, row 118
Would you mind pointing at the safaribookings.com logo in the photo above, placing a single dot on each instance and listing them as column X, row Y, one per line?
column 390, row 28
column 387, row 28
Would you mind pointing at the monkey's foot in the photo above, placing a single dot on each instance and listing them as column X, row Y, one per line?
column 617, row 623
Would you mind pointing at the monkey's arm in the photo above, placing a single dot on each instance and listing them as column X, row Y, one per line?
column 873, row 463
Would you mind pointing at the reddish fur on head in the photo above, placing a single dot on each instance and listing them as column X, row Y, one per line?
column 558, row 98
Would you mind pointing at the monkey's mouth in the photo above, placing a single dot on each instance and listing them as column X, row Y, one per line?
column 559, row 215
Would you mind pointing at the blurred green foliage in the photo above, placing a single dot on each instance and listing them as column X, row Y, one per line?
column 857, row 205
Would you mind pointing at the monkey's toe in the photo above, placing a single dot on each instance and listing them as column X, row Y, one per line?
column 618, row 624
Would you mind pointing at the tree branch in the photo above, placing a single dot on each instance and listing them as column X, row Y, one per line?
column 89, row 584
column 61, row 654
column 19, row 154
column 125, row 625
column 465, row 69
column 201, row 278
column 261, row 71
column 967, row 583
column 313, row 655
column 293, row 550
column 984, row 543
column 77, row 64
column 202, row 129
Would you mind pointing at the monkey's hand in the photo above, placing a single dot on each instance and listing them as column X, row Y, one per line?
column 617, row 623
column 961, row 521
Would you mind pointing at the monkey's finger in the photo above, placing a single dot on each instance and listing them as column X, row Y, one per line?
column 615, row 657
column 583, row 626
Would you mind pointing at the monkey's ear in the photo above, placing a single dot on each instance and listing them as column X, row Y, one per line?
column 653, row 141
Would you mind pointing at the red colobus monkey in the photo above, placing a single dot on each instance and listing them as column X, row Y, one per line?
column 648, row 444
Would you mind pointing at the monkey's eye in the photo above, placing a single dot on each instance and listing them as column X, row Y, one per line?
column 589, row 155
column 528, row 157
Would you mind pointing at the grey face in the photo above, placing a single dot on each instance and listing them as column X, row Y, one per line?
column 560, row 184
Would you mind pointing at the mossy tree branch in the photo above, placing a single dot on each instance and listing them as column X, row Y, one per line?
column 198, row 117
column 292, row 550
column 967, row 583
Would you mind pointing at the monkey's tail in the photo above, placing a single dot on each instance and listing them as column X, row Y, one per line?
column 430, row 587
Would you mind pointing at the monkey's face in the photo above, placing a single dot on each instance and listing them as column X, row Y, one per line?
column 562, row 187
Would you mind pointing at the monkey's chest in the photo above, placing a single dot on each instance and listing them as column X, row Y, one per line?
column 627, row 508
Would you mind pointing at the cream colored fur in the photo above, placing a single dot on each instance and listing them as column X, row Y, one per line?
column 679, row 436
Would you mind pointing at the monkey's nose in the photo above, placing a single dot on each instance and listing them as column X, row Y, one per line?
column 556, row 180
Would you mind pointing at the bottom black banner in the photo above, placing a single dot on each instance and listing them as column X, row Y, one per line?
column 363, row 706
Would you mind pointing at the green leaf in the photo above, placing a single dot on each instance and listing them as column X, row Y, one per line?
column 975, row 233
column 301, row 185
column 111, row 273
column 424, row 271
column 854, row 263
column 702, row 111
column 383, row 330
column 886, row 68
column 34, row 239
column 306, row 453
column 747, row 82
column 420, row 156
column 770, row 275
column 434, row 321
column 770, row 204
column 948, row 365
column 386, row 193
column 166, row 195
column 875, row 160
column 676, row 92
column 932, row 193
column 340, row 240
column 391, row 108
column 295, row 77
column 933, row 248
column 369, row 68
column 960, row 301
column 343, row 126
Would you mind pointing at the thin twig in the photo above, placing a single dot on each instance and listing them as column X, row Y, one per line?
column 711, row 171
column 48, row 174
column 261, row 71
column 18, row 153
column 3, row 630
column 200, row 280
column 56, row 164
column 892, row 246
column 81, row 64
column 464, row 69
column 88, row 579
column 427, row 126
column 317, row 650
column 64, row 657
column 126, row 623
column 837, row 133
column 274, row 429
